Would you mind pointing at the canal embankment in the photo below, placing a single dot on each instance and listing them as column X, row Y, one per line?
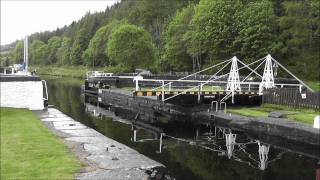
column 103, row 157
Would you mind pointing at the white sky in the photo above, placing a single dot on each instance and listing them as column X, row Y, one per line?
column 22, row 17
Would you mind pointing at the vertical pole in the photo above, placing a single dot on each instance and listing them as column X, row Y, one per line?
column 137, row 84
column 134, row 135
column 160, row 146
column 162, row 91
column 24, row 51
column 199, row 97
column 26, row 65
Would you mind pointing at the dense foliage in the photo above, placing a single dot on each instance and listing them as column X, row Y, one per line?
column 184, row 35
column 130, row 47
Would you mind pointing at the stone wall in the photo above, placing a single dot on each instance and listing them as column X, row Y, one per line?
column 22, row 94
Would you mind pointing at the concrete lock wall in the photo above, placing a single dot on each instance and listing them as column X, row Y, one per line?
column 27, row 94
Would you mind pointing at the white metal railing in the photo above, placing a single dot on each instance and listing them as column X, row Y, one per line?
column 225, row 107
column 211, row 108
column 98, row 74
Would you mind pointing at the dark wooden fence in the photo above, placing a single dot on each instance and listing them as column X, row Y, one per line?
column 292, row 97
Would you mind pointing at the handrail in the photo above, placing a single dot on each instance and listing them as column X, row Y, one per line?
column 216, row 102
column 44, row 82
column 225, row 107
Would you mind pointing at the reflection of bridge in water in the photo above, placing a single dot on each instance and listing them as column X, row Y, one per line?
column 233, row 144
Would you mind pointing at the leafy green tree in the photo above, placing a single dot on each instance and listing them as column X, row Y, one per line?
column 131, row 47
column 175, row 55
column 63, row 53
column 79, row 45
column 215, row 29
column 95, row 54
column 54, row 44
column 257, row 31
column 17, row 53
column 39, row 52
column 299, row 32
column 294, row 26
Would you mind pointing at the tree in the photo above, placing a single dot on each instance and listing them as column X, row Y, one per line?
column 131, row 47
column 17, row 53
column 39, row 52
column 257, row 31
column 175, row 55
column 63, row 52
column 215, row 29
column 54, row 44
column 95, row 54
column 79, row 45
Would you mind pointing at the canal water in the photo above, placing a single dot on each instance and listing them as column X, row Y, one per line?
column 188, row 151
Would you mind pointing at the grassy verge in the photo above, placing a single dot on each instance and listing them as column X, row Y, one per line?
column 30, row 151
column 315, row 85
column 300, row 115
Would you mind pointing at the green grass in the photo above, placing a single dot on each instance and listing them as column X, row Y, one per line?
column 299, row 115
column 30, row 151
column 315, row 85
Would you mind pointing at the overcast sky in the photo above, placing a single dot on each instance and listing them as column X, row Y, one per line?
column 22, row 17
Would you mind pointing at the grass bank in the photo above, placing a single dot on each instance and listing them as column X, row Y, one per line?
column 299, row 115
column 30, row 151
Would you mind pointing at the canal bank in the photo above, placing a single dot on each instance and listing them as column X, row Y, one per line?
column 188, row 156
column 104, row 158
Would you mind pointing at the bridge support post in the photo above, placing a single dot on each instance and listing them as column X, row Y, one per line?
column 233, row 79
column 267, row 78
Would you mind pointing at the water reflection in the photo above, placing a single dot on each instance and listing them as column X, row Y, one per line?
column 234, row 145
column 190, row 151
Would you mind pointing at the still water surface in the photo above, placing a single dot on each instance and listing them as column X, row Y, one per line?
column 189, row 151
